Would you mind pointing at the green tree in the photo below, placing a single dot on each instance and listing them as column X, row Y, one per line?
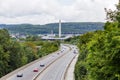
column 99, row 57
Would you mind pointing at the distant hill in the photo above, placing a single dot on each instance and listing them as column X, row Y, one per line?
column 70, row 27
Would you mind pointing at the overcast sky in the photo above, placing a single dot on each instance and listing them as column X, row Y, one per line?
column 50, row 11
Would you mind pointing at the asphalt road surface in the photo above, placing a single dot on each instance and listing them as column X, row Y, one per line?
column 57, row 70
column 54, row 69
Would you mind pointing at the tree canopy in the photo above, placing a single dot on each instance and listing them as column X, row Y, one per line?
column 99, row 57
column 15, row 54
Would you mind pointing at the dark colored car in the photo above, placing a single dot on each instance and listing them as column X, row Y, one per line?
column 42, row 65
column 74, row 52
column 20, row 75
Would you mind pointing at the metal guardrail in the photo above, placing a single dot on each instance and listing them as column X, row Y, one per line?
column 31, row 63
column 51, row 63
column 23, row 67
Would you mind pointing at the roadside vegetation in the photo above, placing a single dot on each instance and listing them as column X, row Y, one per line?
column 99, row 57
column 73, row 40
column 14, row 54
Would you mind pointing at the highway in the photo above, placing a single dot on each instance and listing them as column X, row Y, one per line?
column 57, row 70
column 54, row 69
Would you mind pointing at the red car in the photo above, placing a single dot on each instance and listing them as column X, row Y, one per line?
column 35, row 70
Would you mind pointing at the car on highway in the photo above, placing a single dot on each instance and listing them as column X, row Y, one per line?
column 62, row 51
column 58, row 53
column 20, row 75
column 42, row 65
column 74, row 52
column 35, row 70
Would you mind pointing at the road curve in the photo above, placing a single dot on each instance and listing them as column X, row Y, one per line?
column 54, row 69
column 27, row 70
column 57, row 70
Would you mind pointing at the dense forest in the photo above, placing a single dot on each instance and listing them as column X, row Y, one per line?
column 71, row 27
column 15, row 54
column 99, row 57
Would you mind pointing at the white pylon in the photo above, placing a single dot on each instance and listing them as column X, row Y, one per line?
column 59, row 28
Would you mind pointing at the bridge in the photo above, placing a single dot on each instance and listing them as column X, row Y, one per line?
column 56, row 38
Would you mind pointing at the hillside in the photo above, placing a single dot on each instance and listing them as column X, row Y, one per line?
column 72, row 27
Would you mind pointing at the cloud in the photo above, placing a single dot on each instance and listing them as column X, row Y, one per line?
column 47, row 11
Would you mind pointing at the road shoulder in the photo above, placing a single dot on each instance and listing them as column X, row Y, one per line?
column 70, row 72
